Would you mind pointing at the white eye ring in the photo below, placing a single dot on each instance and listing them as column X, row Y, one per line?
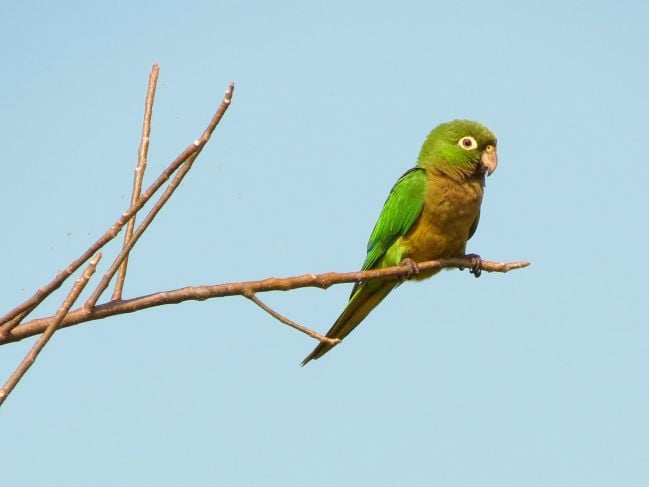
column 467, row 143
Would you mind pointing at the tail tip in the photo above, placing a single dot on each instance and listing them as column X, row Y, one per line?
column 308, row 358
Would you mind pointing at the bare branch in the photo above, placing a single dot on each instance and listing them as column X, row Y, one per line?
column 31, row 356
column 329, row 341
column 105, row 280
column 200, row 293
column 8, row 322
column 128, row 245
column 138, row 176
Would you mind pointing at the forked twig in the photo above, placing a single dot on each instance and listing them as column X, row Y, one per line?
column 105, row 280
column 307, row 331
column 138, row 176
column 184, row 169
column 49, row 331
column 8, row 322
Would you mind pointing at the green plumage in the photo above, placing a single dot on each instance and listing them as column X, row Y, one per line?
column 400, row 211
column 431, row 212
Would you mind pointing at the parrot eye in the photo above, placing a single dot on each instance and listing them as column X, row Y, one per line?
column 467, row 143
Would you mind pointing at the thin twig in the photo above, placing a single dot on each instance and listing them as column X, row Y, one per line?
column 138, row 176
column 31, row 356
column 15, row 321
column 194, row 148
column 200, row 293
column 307, row 331
column 105, row 280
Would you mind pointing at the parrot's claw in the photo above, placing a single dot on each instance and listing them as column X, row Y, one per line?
column 412, row 266
column 476, row 264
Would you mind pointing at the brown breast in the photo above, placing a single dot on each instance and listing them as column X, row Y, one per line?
column 450, row 210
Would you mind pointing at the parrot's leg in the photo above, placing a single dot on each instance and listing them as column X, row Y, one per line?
column 412, row 266
column 476, row 264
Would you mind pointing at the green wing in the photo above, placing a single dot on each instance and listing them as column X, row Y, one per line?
column 400, row 211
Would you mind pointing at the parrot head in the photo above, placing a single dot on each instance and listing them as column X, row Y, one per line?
column 460, row 149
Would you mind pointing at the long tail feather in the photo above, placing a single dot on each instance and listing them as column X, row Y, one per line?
column 363, row 301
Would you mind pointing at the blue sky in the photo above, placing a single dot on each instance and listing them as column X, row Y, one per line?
column 538, row 377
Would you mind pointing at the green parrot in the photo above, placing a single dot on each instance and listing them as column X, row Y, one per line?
column 431, row 212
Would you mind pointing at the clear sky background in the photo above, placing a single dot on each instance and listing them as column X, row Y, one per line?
column 539, row 377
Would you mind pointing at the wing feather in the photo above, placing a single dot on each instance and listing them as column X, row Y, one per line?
column 401, row 209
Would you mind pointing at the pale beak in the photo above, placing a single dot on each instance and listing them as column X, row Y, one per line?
column 489, row 159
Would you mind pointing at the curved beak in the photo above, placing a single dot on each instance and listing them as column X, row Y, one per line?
column 489, row 159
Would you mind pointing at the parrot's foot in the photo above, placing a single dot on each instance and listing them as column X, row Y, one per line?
column 412, row 266
column 476, row 264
